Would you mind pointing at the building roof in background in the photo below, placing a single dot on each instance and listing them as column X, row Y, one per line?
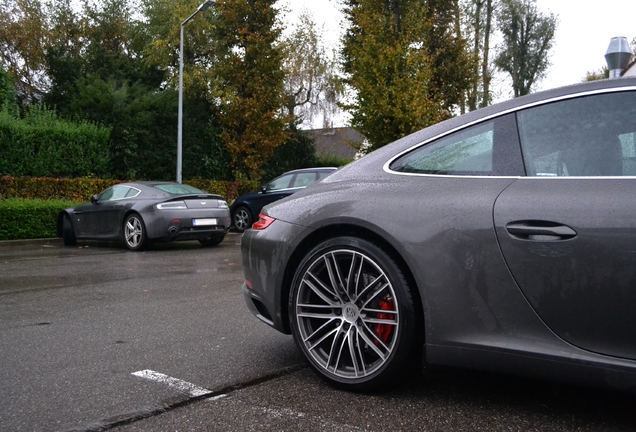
column 336, row 141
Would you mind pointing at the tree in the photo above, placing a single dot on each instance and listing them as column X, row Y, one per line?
column 528, row 35
column 312, row 85
column 23, row 36
column 602, row 73
column 162, row 26
column 7, row 92
column 405, row 63
column 478, row 15
column 249, row 83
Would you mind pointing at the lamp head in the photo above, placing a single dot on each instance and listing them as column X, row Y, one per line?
column 205, row 6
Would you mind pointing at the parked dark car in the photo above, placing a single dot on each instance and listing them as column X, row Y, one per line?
column 245, row 209
column 143, row 212
column 502, row 240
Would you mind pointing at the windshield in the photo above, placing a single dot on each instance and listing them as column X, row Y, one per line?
column 179, row 189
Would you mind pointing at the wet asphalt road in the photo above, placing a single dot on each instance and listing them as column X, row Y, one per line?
column 76, row 323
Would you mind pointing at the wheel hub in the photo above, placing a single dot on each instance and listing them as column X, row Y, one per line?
column 350, row 313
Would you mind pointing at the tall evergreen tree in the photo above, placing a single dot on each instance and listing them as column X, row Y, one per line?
column 250, row 83
column 406, row 64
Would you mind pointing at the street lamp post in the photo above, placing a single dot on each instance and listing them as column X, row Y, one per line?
column 202, row 7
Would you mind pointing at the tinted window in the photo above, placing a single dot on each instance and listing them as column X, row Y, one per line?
column 179, row 189
column 117, row 192
column 466, row 152
column 281, row 182
column 588, row 136
column 304, row 179
column 323, row 174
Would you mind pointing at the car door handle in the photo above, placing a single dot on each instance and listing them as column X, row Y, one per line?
column 530, row 230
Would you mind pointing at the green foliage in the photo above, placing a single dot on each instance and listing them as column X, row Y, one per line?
column 528, row 36
column 7, row 92
column 249, row 83
column 162, row 27
column 312, row 84
column 331, row 161
column 23, row 34
column 43, row 145
column 81, row 189
column 297, row 152
column 228, row 190
column 43, row 188
column 405, row 63
column 30, row 219
column 602, row 73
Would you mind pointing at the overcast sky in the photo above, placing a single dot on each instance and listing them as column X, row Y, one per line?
column 583, row 32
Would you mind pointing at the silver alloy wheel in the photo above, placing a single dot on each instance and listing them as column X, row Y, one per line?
column 347, row 314
column 133, row 232
column 242, row 219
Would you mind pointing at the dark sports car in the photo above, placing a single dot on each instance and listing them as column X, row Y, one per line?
column 246, row 208
column 501, row 240
column 142, row 212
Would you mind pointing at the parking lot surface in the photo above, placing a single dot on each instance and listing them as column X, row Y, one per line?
column 95, row 337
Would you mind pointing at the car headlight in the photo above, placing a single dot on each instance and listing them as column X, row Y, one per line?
column 223, row 204
column 172, row 205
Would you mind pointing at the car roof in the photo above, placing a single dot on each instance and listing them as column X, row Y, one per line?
column 501, row 108
column 311, row 170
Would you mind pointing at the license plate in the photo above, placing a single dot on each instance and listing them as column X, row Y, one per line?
column 203, row 222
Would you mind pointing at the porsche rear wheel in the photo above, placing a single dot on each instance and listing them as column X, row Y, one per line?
column 352, row 314
column 135, row 232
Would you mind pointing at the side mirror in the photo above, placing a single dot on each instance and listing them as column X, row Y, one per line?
column 94, row 199
column 263, row 189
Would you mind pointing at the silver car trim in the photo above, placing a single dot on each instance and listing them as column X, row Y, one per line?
column 499, row 114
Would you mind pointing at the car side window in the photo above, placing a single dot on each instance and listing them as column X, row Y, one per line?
column 467, row 151
column 282, row 182
column 114, row 193
column 490, row 148
column 304, row 179
column 323, row 174
column 591, row 136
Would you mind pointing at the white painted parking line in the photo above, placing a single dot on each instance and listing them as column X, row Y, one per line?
column 177, row 384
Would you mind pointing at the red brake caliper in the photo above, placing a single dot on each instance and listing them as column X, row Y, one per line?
column 384, row 331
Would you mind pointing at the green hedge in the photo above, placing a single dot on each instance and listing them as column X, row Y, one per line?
column 29, row 206
column 30, row 219
column 43, row 145
column 81, row 189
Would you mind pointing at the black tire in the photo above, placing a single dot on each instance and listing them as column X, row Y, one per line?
column 348, row 333
column 242, row 219
column 68, row 233
column 212, row 240
column 134, row 232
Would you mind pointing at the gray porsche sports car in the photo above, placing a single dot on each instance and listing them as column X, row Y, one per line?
column 501, row 240
column 142, row 212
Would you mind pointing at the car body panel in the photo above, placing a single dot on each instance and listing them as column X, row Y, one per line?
column 582, row 285
column 256, row 200
column 103, row 219
column 495, row 295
